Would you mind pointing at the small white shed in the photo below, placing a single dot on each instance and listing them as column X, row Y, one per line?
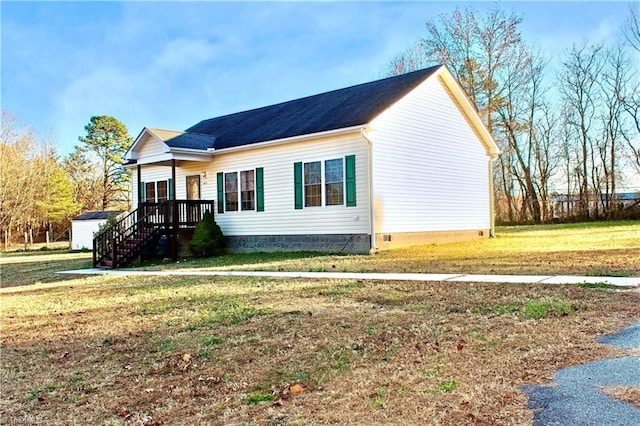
column 84, row 226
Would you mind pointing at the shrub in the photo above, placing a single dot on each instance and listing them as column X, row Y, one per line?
column 208, row 239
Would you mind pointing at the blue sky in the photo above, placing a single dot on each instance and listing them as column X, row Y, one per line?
column 172, row 64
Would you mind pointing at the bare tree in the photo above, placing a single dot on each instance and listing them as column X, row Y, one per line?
column 547, row 154
column 631, row 99
column 614, row 82
column 17, row 176
column 85, row 176
column 580, row 92
column 631, row 27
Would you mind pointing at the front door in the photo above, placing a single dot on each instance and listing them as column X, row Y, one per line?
column 193, row 187
column 193, row 193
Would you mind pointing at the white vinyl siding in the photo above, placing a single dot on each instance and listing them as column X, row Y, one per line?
column 150, row 147
column 82, row 232
column 150, row 173
column 279, row 216
column 430, row 170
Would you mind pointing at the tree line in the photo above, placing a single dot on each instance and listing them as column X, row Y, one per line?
column 572, row 132
column 40, row 192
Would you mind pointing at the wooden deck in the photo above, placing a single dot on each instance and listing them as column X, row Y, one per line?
column 125, row 239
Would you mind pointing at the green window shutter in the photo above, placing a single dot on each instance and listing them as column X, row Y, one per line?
column 143, row 192
column 259, row 189
column 170, row 189
column 220, row 178
column 350, row 161
column 297, row 179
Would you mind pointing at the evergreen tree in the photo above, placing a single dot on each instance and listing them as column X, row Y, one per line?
column 208, row 239
column 109, row 139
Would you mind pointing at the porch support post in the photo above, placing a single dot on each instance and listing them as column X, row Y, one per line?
column 173, row 177
column 139, row 185
column 175, row 214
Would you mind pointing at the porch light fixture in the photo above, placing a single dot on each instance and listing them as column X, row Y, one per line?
column 203, row 174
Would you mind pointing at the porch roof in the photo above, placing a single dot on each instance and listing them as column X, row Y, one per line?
column 173, row 145
column 187, row 140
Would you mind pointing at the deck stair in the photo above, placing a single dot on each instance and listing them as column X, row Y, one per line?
column 130, row 236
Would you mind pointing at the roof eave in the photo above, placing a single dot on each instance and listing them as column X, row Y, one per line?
column 131, row 154
column 469, row 110
column 292, row 139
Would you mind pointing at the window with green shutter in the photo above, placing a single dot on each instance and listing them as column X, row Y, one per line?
column 143, row 192
column 240, row 191
column 325, row 183
column 297, row 180
column 260, row 189
column 220, row 181
column 350, row 161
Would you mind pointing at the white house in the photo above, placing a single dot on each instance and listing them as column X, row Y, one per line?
column 84, row 226
column 400, row 161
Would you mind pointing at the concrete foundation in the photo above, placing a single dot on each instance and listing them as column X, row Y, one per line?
column 386, row 241
column 330, row 243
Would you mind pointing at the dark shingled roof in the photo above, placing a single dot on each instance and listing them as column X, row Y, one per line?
column 97, row 215
column 338, row 109
column 190, row 140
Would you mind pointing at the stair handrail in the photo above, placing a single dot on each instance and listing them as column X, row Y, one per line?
column 108, row 239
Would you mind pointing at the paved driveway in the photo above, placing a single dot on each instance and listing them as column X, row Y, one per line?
column 574, row 397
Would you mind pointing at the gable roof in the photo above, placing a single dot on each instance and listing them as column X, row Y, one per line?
column 171, row 141
column 190, row 140
column 337, row 109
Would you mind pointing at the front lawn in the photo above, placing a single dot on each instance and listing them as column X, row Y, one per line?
column 248, row 351
column 258, row 351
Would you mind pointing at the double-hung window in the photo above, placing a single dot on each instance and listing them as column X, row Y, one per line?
column 241, row 191
column 248, row 190
column 162, row 190
column 231, row 191
column 150, row 192
column 325, row 183
column 159, row 191
column 334, row 182
column 312, row 184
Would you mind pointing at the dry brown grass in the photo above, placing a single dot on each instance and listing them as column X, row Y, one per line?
column 154, row 350
column 627, row 394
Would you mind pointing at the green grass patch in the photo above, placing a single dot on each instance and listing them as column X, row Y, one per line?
column 601, row 286
column 165, row 345
column 210, row 340
column 201, row 311
column 545, row 309
column 532, row 309
column 380, row 397
column 258, row 397
column 448, row 386
column 37, row 392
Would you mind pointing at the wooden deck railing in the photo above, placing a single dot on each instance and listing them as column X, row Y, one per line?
column 119, row 243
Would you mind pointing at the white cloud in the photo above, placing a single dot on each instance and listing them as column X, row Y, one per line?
column 104, row 91
column 185, row 53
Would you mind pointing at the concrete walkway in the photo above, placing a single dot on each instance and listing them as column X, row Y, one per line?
column 513, row 279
